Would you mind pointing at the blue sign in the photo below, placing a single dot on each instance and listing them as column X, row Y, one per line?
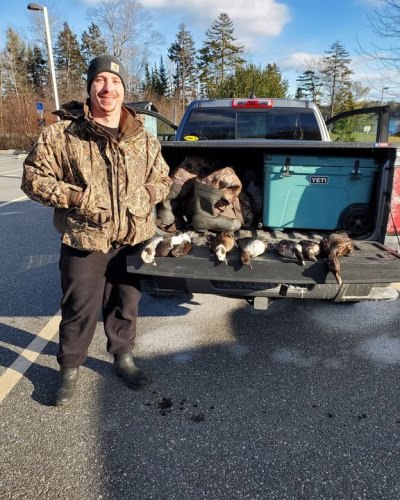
column 39, row 106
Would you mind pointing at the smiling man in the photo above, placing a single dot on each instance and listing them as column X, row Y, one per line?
column 106, row 89
column 102, row 172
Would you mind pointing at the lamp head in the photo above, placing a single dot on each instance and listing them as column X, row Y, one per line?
column 35, row 6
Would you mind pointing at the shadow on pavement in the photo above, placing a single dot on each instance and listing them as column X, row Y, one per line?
column 284, row 408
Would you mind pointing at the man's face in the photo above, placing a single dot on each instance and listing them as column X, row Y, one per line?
column 106, row 95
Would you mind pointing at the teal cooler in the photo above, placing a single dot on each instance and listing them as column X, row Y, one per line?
column 311, row 192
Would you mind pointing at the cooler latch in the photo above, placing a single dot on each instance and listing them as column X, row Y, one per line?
column 286, row 169
column 355, row 175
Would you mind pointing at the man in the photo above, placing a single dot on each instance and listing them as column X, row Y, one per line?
column 102, row 172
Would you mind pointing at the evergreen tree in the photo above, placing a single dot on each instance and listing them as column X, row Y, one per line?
column 182, row 52
column 154, row 84
column 147, row 83
column 206, row 73
column 299, row 94
column 309, row 86
column 37, row 70
column 219, row 56
column 70, row 64
column 92, row 43
column 155, row 80
column 163, row 83
column 336, row 77
column 15, row 65
column 252, row 80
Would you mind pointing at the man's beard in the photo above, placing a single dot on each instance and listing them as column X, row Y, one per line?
column 107, row 104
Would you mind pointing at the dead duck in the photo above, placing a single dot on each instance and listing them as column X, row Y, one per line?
column 291, row 249
column 170, row 242
column 149, row 251
column 310, row 249
column 249, row 248
column 181, row 245
column 334, row 246
column 221, row 245
column 182, row 249
column 164, row 247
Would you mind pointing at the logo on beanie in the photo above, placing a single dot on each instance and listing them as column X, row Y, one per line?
column 114, row 67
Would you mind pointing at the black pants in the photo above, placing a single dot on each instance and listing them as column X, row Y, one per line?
column 91, row 281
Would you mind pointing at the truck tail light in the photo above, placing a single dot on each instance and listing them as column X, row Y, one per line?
column 252, row 103
column 394, row 218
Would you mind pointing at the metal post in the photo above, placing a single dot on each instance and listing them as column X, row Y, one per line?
column 52, row 70
column 35, row 6
column 383, row 89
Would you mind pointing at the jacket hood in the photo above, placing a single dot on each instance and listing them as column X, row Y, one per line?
column 74, row 110
column 70, row 110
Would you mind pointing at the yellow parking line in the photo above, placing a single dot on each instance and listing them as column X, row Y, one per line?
column 16, row 371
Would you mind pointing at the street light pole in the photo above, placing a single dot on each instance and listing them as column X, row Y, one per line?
column 383, row 89
column 35, row 6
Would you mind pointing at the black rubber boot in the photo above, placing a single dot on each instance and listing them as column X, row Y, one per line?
column 206, row 216
column 165, row 212
column 125, row 368
column 66, row 390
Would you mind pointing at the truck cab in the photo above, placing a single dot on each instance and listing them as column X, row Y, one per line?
column 251, row 118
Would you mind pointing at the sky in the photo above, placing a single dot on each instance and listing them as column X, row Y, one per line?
column 285, row 32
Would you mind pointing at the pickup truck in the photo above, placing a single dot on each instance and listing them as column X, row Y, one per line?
column 313, row 183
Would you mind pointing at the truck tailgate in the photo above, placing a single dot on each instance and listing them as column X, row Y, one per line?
column 370, row 262
column 371, row 265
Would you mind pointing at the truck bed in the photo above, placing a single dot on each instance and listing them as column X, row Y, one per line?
column 367, row 273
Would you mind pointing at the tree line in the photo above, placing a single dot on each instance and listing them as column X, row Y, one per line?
column 219, row 68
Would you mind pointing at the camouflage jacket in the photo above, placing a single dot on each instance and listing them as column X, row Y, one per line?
column 103, row 189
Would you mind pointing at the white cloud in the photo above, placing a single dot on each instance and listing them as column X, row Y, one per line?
column 250, row 17
column 298, row 61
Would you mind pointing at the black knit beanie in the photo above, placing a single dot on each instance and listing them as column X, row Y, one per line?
column 106, row 63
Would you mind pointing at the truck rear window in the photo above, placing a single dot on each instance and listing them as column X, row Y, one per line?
column 228, row 123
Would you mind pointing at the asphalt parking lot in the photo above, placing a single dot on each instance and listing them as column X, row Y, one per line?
column 300, row 401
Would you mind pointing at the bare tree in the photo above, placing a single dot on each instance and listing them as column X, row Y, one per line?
column 384, row 58
column 37, row 31
column 127, row 28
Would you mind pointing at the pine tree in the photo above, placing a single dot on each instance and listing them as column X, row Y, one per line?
column 252, row 80
column 309, row 86
column 70, row 64
column 37, row 70
column 155, row 80
column 147, row 83
column 182, row 52
column 15, row 66
column 92, row 43
column 206, row 72
column 219, row 56
column 163, row 78
column 336, row 76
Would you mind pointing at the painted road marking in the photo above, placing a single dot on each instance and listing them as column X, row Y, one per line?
column 13, row 201
column 11, row 171
column 14, row 372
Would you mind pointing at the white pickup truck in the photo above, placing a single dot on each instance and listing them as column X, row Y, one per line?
column 312, row 184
